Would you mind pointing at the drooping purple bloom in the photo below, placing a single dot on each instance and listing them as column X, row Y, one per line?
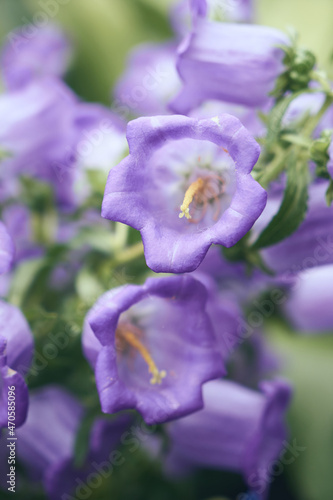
column 16, row 347
column 152, row 348
column 149, row 82
column 45, row 52
column 53, row 421
column 185, row 185
column 6, row 249
column 239, row 429
column 229, row 62
column 309, row 306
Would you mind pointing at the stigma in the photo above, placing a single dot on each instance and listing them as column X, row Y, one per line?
column 191, row 192
column 129, row 335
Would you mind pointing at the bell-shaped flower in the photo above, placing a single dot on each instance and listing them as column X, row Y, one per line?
column 239, row 429
column 237, row 63
column 152, row 347
column 185, row 185
column 309, row 305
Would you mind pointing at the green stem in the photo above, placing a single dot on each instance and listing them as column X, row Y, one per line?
column 321, row 77
column 273, row 169
column 313, row 121
column 128, row 254
column 276, row 167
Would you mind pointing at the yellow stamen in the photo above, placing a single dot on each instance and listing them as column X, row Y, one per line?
column 157, row 375
column 193, row 189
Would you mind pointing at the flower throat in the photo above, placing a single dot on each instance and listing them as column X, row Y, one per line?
column 128, row 335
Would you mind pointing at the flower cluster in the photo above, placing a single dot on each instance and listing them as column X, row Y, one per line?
column 216, row 169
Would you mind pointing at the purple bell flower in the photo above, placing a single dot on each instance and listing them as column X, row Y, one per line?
column 309, row 306
column 24, row 59
column 185, row 185
column 16, row 348
column 152, row 348
column 239, row 429
column 53, row 421
column 236, row 63
column 6, row 249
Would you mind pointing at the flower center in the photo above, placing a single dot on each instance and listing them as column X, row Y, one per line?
column 203, row 191
column 129, row 335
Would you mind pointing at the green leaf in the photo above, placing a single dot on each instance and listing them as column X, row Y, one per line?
column 293, row 207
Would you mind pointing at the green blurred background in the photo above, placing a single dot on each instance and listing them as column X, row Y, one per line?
column 103, row 31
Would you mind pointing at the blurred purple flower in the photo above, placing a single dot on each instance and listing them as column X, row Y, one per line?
column 239, row 429
column 240, row 341
column 18, row 220
column 181, row 189
column 101, row 145
column 53, row 421
column 16, row 348
column 24, row 59
column 153, row 348
column 309, row 306
column 230, row 62
column 225, row 315
column 37, row 131
column 6, row 249
column 149, row 81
